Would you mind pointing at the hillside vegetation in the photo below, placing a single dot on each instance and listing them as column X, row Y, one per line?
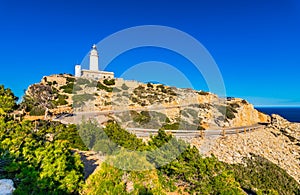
column 41, row 157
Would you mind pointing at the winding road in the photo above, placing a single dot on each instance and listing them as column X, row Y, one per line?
column 140, row 132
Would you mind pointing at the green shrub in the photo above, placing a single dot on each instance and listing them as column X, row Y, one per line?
column 79, row 100
column 7, row 100
column 149, row 85
column 100, row 86
column 70, row 79
column 124, row 87
column 203, row 93
column 228, row 111
column 61, row 100
column 82, row 81
column 109, row 82
column 261, row 176
column 37, row 111
column 173, row 126
column 68, row 88
column 234, row 105
column 141, row 118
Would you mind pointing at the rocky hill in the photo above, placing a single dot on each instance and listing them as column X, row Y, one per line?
column 142, row 105
column 158, row 106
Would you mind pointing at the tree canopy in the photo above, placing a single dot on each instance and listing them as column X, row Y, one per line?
column 7, row 100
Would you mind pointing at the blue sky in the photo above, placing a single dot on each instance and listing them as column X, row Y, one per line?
column 254, row 43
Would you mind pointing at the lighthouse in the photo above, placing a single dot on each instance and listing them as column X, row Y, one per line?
column 93, row 72
column 94, row 59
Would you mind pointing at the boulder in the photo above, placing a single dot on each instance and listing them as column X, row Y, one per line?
column 6, row 186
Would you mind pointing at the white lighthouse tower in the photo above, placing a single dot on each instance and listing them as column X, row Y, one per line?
column 94, row 59
column 93, row 72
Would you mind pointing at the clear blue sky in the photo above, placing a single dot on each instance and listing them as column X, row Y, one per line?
column 254, row 42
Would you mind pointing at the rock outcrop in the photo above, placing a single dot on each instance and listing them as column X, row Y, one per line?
column 247, row 115
column 6, row 187
column 278, row 142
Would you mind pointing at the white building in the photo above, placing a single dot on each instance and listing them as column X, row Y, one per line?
column 93, row 72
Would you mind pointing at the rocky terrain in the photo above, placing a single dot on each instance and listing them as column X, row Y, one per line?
column 139, row 104
column 279, row 142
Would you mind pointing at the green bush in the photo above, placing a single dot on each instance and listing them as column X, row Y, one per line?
column 244, row 102
column 109, row 82
column 228, row 111
column 7, row 100
column 149, row 85
column 79, row 100
column 173, row 126
column 37, row 111
column 61, row 100
column 203, row 92
column 70, row 79
column 39, row 165
column 82, row 81
column 124, row 87
column 141, row 118
column 259, row 175
column 234, row 105
column 100, row 86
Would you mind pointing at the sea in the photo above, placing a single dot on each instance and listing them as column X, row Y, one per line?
column 292, row 114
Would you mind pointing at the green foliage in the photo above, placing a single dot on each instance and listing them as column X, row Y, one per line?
column 234, row 105
column 124, row 87
column 149, row 85
column 172, row 126
column 61, row 100
column 263, row 177
column 228, row 111
column 68, row 88
column 244, row 102
column 201, row 175
column 161, row 86
column 109, row 82
column 123, row 138
column 108, row 180
column 203, row 92
column 37, row 111
column 160, row 139
column 142, row 118
column 92, row 83
column 39, row 165
column 38, row 98
column 79, row 100
column 82, row 81
column 109, row 139
column 7, row 100
column 100, row 86
column 61, row 132
column 70, row 79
